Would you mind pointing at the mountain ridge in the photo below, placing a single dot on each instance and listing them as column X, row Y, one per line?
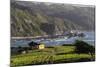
column 31, row 19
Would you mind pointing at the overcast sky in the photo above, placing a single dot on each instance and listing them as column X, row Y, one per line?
column 85, row 2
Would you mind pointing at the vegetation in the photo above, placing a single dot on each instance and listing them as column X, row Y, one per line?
column 83, row 47
column 31, row 19
column 50, row 55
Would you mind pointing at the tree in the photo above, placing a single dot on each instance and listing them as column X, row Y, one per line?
column 32, row 44
column 83, row 47
column 20, row 49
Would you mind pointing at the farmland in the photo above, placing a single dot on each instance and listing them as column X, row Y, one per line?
column 50, row 55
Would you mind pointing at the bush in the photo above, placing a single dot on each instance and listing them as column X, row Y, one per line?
column 83, row 47
column 67, row 45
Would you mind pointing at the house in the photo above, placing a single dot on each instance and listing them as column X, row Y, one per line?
column 35, row 45
column 41, row 46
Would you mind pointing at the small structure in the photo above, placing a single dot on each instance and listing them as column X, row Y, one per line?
column 35, row 45
column 41, row 46
column 24, row 52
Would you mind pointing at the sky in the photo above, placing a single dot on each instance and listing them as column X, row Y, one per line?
column 84, row 2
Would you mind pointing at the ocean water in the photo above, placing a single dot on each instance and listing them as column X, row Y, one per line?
column 89, row 38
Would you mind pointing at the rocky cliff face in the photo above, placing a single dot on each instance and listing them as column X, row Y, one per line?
column 35, row 18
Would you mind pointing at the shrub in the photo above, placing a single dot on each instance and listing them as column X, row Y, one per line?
column 83, row 47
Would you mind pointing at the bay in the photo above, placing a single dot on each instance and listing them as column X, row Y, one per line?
column 89, row 38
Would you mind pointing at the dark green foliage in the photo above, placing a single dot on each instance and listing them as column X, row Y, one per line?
column 67, row 45
column 83, row 47
column 49, row 47
column 57, row 54
column 33, row 45
column 20, row 49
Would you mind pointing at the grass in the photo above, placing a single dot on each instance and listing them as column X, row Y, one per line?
column 57, row 54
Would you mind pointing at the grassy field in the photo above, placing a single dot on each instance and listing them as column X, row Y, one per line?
column 50, row 55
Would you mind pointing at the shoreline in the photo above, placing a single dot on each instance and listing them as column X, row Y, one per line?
column 31, row 37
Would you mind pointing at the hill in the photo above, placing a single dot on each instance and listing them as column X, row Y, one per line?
column 38, row 18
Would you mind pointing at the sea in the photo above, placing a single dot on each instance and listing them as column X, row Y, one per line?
column 89, row 38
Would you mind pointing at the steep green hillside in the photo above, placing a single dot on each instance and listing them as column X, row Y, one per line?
column 35, row 18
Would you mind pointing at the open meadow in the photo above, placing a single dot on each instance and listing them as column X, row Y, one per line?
column 50, row 55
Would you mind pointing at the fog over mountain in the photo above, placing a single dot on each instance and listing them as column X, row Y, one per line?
column 38, row 18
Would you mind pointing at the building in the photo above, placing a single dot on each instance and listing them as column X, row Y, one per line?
column 41, row 46
column 35, row 45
